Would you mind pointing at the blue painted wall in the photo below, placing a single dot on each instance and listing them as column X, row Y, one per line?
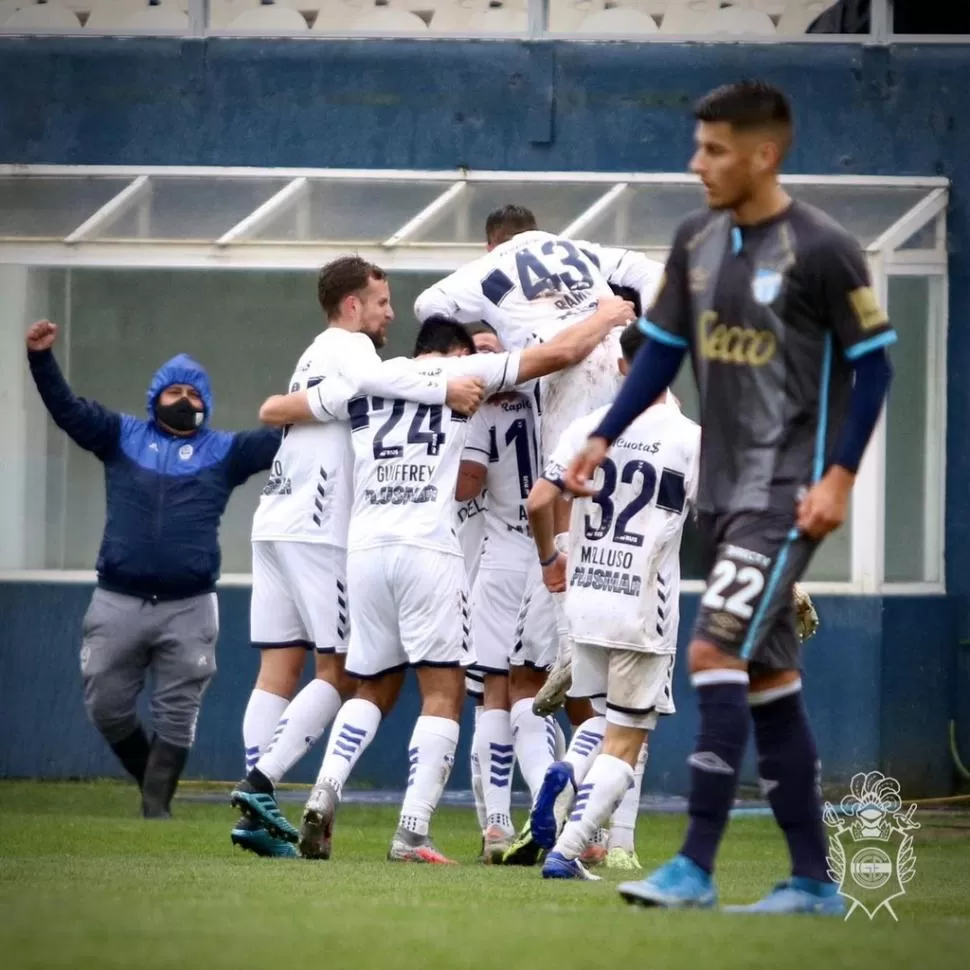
column 867, row 673
column 886, row 674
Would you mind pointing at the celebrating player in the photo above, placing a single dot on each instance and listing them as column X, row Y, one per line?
column 299, row 597
column 774, row 302
column 621, row 577
column 407, row 585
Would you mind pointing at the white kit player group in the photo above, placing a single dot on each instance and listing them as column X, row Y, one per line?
column 415, row 517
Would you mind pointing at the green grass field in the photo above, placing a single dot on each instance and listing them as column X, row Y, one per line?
column 85, row 883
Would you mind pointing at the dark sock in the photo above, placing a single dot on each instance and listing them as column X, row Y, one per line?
column 260, row 782
column 715, row 764
column 132, row 752
column 788, row 766
column 165, row 765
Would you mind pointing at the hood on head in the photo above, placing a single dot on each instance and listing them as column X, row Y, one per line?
column 181, row 369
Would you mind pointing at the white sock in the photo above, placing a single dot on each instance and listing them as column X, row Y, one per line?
column 493, row 747
column 534, row 740
column 431, row 754
column 623, row 827
column 263, row 713
column 596, row 800
column 476, row 769
column 304, row 721
column 353, row 730
column 585, row 745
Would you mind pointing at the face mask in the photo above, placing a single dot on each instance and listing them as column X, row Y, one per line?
column 180, row 416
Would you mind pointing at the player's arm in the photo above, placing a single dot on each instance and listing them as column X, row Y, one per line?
column 576, row 342
column 627, row 267
column 458, row 296
column 252, row 452
column 850, row 308
column 667, row 325
column 473, row 470
column 87, row 423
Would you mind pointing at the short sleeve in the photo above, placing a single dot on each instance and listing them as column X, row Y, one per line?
column 848, row 304
column 499, row 372
column 668, row 321
column 328, row 400
column 477, row 440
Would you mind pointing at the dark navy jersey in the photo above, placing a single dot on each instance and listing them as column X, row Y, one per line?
column 773, row 315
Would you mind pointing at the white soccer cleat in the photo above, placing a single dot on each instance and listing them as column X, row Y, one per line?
column 316, row 827
column 496, row 841
column 806, row 617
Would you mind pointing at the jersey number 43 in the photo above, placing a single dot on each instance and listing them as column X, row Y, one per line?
column 558, row 266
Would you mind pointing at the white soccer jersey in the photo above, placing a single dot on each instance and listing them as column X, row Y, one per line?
column 502, row 437
column 623, row 568
column 537, row 283
column 471, row 533
column 307, row 497
column 407, row 456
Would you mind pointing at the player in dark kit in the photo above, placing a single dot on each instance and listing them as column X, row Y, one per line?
column 773, row 301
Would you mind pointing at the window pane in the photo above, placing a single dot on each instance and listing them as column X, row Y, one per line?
column 909, row 489
column 36, row 207
column 191, row 209
column 345, row 211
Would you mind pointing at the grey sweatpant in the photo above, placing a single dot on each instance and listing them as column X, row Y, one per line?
column 126, row 638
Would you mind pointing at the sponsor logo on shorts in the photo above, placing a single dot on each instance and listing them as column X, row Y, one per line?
column 870, row 849
column 745, row 555
column 725, row 625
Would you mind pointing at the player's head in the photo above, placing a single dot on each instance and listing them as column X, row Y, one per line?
column 484, row 337
column 508, row 221
column 743, row 133
column 443, row 337
column 354, row 293
column 629, row 294
column 631, row 340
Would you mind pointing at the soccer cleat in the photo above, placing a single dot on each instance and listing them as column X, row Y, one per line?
column 496, row 841
column 552, row 694
column 261, row 807
column 557, row 866
column 524, row 851
column 552, row 803
column 618, row 858
column 806, row 617
column 252, row 837
column 403, row 850
column 804, row 896
column 316, row 826
column 677, row 883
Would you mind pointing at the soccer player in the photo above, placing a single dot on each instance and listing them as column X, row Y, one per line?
column 299, row 597
column 408, row 594
column 773, row 300
column 621, row 577
column 500, row 456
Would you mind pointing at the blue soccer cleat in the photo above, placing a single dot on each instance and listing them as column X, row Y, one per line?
column 252, row 837
column 543, row 821
column 676, row 884
column 797, row 895
column 261, row 807
column 557, row 866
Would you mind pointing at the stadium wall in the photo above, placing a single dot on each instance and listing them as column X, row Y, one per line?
column 884, row 676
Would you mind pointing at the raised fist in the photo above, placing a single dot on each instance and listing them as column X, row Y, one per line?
column 41, row 335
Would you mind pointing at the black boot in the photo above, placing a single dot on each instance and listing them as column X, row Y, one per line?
column 165, row 764
column 132, row 752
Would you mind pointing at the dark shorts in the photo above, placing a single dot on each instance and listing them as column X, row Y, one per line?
column 752, row 561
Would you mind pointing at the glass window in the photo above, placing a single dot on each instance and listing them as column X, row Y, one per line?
column 912, row 485
column 41, row 206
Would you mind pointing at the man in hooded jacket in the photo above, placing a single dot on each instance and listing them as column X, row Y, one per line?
column 167, row 481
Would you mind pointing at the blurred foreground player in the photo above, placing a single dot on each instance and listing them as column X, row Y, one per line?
column 168, row 480
column 788, row 343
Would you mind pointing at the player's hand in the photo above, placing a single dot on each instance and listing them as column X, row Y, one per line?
column 826, row 504
column 554, row 575
column 465, row 394
column 616, row 311
column 41, row 335
column 579, row 475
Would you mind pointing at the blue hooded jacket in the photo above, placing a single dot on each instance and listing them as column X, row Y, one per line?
column 165, row 493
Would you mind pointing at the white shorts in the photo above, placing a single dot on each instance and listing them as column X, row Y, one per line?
column 496, row 598
column 637, row 685
column 299, row 596
column 474, row 684
column 409, row 607
column 536, row 638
